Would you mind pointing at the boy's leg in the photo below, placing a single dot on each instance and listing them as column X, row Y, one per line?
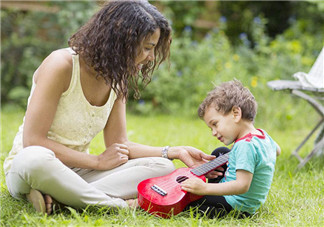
column 217, row 152
column 212, row 206
column 215, row 206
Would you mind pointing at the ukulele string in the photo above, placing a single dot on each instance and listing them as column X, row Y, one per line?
column 168, row 183
column 203, row 169
column 172, row 184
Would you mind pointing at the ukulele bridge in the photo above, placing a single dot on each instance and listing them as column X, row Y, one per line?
column 159, row 190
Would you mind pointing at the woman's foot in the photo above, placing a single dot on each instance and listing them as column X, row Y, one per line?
column 48, row 204
column 52, row 205
column 36, row 198
column 43, row 203
column 132, row 203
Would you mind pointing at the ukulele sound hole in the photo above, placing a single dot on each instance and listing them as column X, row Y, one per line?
column 180, row 179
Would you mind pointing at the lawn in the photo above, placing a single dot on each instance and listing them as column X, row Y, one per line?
column 296, row 197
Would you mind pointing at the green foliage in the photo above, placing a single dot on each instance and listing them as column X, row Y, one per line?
column 241, row 15
column 181, row 14
column 21, row 53
column 196, row 66
column 28, row 37
column 193, row 68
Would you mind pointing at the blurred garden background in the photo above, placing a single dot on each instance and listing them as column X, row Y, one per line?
column 213, row 41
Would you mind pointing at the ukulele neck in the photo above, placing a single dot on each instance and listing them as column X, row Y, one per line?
column 209, row 166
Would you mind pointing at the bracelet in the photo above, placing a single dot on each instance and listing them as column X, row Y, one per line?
column 165, row 151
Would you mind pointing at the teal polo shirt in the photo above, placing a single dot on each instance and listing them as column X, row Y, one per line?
column 257, row 155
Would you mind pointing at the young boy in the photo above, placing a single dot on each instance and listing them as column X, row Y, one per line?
column 229, row 111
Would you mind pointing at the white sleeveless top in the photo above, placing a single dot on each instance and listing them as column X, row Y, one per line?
column 76, row 121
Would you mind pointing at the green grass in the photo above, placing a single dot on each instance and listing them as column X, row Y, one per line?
column 295, row 199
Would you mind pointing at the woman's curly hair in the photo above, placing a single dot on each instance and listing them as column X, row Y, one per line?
column 110, row 41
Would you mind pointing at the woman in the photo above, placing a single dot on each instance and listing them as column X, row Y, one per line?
column 76, row 93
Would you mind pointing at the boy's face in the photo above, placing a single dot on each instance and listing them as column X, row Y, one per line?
column 223, row 127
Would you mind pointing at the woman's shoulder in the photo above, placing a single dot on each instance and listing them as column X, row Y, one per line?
column 57, row 66
column 62, row 58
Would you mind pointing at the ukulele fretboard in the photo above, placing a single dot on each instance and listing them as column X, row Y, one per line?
column 209, row 166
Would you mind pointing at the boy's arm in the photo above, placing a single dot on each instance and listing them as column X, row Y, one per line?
column 235, row 187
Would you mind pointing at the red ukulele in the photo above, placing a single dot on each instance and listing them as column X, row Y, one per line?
column 162, row 196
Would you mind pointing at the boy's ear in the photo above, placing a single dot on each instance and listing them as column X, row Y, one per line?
column 237, row 113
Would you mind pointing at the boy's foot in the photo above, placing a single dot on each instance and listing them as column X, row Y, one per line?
column 36, row 198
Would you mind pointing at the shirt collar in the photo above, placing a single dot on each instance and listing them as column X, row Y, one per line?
column 249, row 136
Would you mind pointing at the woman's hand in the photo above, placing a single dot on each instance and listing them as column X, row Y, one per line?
column 190, row 156
column 113, row 156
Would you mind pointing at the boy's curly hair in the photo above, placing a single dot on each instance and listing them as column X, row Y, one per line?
column 110, row 41
column 227, row 95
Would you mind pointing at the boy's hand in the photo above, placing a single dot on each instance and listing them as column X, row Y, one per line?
column 215, row 174
column 195, row 186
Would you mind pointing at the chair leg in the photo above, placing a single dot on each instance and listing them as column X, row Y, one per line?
column 317, row 148
column 311, row 100
column 295, row 152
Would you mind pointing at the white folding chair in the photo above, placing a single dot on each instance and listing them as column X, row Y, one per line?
column 309, row 87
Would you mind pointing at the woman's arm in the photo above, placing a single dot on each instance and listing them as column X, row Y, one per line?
column 115, row 132
column 235, row 187
column 52, row 78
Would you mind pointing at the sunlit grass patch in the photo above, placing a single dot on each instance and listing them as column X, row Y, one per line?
column 295, row 198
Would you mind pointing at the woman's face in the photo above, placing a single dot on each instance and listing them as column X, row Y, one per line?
column 146, row 54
